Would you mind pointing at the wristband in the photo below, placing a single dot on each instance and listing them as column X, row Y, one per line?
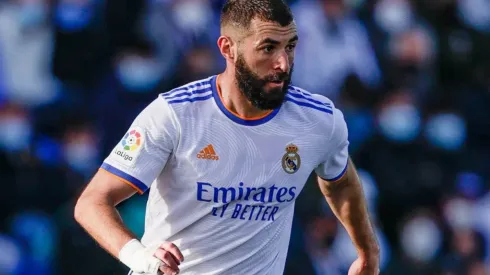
column 139, row 258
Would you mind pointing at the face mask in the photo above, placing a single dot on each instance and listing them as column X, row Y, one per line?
column 16, row 134
column 81, row 157
column 393, row 16
column 400, row 123
column 139, row 75
column 475, row 13
column 31, row 15
column 192, row 15
column 73, row 17
column 421, row 239
column 458, row 213
column 446, row 131
column 11, row 256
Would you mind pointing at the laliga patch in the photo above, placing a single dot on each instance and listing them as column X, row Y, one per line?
column 128, row 150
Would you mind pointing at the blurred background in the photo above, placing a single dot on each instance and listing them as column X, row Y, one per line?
column 411, row 76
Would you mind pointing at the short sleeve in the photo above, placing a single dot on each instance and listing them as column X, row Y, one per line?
column 145, row 148
column 335, row 163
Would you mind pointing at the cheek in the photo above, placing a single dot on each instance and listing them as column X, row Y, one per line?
column 258, row 63
column 259, row 67
column 291, row 59
column 262, row 67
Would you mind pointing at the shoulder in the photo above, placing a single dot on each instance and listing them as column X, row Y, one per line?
column 313, row 109
column 195, row 91
column 317, row 110
column 189, row 99
column 168, row 107
column 305, row 101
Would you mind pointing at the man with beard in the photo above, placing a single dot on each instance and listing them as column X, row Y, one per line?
column 225, row 158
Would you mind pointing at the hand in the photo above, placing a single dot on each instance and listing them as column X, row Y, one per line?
column 154, row 260
column 365, row 266
column 170, row 256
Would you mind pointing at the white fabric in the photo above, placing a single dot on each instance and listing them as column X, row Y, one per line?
column 140, row 258
column 219, row 189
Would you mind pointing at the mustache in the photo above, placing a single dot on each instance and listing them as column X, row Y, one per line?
column 278, row 77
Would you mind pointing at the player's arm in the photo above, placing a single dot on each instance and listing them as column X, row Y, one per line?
column 341, row 187
column 346, row 199
column 97, row 214
column 133, row 165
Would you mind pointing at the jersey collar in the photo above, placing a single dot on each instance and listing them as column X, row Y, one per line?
column 254, row 121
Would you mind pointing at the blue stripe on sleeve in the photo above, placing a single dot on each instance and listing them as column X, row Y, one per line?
column 298, row 95
column 187, row 93
column 340, row 175
column 136, row 182
column 304, row 104
column 191, row 99
column 187, row 87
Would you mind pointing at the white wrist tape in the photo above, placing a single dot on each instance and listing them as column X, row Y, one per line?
column 139, row 258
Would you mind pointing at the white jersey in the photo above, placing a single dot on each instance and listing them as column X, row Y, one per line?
column 222, row 187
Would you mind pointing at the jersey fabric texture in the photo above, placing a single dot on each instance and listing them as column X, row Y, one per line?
column 222, row 187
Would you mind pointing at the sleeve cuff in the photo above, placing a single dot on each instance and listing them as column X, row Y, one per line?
column 340, row 175
column 126, row 178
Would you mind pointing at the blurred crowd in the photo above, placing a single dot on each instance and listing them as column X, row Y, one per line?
column 411, row 76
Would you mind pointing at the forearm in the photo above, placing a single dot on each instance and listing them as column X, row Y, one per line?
column 346, row 199
column 100, row 218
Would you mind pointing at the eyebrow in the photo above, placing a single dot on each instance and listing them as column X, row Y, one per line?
column 275, row 42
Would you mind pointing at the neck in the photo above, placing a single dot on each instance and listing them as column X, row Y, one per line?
column 234, row 100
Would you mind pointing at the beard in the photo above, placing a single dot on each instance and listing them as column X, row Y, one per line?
column 253, row 87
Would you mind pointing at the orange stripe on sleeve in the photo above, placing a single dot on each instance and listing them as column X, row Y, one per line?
column 124, row 180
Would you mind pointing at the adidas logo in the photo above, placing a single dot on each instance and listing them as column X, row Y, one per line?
column 208, row 153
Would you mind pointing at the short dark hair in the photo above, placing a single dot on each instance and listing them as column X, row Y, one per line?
column 241, row 12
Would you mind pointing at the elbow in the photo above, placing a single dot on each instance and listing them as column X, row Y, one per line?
column 79, row 210
column 87, row 204
column 82, row 207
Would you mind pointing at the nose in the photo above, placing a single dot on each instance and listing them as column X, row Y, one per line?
column 282, row 62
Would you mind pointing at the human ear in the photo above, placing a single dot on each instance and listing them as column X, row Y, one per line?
column 227, row 48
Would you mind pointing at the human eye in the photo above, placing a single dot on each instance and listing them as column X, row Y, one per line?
column 268, row 49
column 290, row 47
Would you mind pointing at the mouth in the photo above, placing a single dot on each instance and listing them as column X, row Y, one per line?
column 276, row 83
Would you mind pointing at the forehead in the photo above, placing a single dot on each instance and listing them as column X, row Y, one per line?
column 260, row 30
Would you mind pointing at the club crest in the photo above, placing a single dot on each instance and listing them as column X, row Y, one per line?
column 291, row 161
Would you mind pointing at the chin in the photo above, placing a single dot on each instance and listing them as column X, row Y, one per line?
column 275, row 92
column 269, row 104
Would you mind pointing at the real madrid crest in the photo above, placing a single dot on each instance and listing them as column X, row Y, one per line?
column 291, row 161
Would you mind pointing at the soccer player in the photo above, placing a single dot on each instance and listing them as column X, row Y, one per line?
column 224, row 159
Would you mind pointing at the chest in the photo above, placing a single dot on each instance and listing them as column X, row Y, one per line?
column 227, row 155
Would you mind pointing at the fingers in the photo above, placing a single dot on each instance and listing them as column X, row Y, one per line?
column 171, row 256
column 171, row 265
column 172, row 248
column 154, row 265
